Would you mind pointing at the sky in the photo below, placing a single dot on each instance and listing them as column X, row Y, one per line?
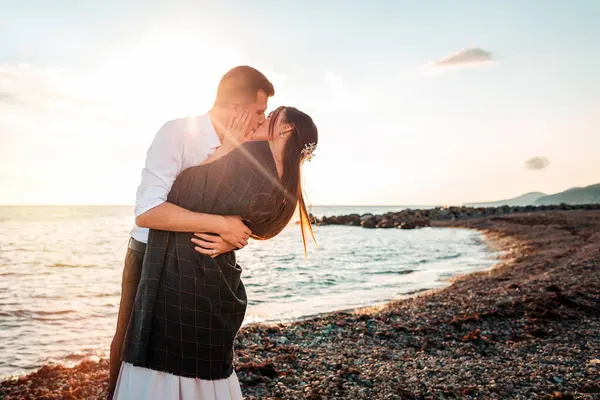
column 417, row 102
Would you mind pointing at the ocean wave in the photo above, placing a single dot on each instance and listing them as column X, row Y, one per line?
column 63, row 265
column 391, row 272
column 17, row 313
column 12, row 274
column 60, row 312
column 88, row 295
column 20, row 249
column 33, row 314
column 440, row 258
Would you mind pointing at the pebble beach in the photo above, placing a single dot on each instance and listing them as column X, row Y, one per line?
column 527, row 329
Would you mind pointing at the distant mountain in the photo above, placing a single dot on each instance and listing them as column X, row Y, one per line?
column 577, row 195
column 524, row 200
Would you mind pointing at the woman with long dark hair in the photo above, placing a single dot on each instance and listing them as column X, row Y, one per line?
column 190, row 306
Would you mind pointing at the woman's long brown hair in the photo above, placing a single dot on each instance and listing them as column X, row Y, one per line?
column 291, row 195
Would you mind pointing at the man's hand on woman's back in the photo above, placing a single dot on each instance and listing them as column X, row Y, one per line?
column 234, row 231
column 211, row 245
column 232, row 234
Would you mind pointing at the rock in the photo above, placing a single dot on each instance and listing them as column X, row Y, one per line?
column 365, row 217
column 415, row 224
column 386, row 223
column 353, row 220
column 371, row 222
column 282, row 340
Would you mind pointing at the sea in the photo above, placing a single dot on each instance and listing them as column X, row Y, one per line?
column 60, row 275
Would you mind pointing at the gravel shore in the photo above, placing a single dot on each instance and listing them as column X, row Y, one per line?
column 527, row 329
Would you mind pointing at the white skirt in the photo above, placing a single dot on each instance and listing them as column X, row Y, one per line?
column 137, row 383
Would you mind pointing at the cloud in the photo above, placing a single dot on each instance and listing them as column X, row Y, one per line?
column 537, row 163
column 9, row 98
column 56, row 102
column 34, row 92
column 465, row 57
column 27, row 86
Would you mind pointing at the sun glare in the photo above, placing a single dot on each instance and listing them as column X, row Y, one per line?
column 165, row 76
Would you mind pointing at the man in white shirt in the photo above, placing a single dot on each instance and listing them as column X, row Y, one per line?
column 242, row 94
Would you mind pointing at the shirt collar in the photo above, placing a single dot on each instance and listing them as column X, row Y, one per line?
column 208, row 129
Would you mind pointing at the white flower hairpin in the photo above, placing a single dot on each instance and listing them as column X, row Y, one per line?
column 307, row 151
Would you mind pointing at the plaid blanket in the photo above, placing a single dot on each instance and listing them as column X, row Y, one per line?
column 189, row 307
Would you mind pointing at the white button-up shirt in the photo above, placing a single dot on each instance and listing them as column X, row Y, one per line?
column 178, row 145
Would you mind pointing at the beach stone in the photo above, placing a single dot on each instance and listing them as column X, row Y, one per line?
column 282, row 340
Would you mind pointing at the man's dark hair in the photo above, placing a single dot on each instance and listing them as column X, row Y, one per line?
column 242, row 84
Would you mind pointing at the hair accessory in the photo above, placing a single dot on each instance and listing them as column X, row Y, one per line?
column 307, row 151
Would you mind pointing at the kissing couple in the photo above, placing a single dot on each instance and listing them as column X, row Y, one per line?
column 210, row 183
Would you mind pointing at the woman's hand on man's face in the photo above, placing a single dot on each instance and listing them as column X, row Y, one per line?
column 237, row 131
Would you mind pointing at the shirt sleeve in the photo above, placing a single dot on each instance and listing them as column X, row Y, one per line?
column 164, row 161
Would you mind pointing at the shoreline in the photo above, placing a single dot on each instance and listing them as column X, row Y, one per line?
column 491, row 248
column 528, row 327
column 351, row 309
column 394, row 293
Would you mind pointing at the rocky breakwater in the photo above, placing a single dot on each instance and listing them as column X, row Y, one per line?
column 411, row 219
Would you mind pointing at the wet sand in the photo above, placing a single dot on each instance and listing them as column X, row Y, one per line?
column 529, row 328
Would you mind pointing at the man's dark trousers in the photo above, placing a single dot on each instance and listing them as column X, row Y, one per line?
column 129, row 284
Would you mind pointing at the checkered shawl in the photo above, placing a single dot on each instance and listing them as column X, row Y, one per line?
column 189, row 307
